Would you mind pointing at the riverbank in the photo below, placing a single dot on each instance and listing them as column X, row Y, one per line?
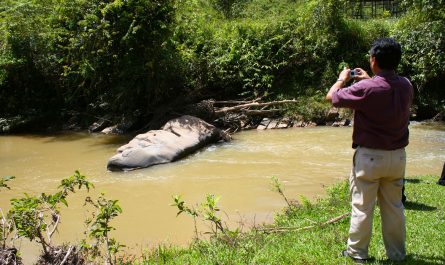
column 286, row 243
column 230, row 115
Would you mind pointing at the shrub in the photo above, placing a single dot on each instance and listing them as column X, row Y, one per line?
column 80, row 52
column 422, row 36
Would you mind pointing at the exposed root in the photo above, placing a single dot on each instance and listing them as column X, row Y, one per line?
column 8, row 256
column 62, row 255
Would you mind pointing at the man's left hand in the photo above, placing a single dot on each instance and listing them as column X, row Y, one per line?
column 344, row 75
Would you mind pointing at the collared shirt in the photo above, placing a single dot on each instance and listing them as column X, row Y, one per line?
column 382, row 110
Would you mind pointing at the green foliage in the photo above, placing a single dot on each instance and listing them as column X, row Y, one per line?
column 259, row 56
column 423, row 60
column 314, row 108
column 226, row 7
column 118, row 50
column 37, row 217
column 81, row 52
column 6, row 225
column 79, row 180
column 3, row 181
column 99, row 230
column 182, row 207
column 277, row 186
column 136, row 55
column 207, row 211
column 24, row 38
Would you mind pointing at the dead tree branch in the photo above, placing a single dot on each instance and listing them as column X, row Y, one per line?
column 295, row 229
column 224, row 110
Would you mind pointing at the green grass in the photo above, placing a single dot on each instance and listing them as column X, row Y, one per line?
column 425, row 216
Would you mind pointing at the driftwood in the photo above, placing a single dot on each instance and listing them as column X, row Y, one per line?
column 295, row 229
column 245, row 107
column 235, row 115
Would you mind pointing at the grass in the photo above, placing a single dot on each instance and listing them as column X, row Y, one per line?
column 425, row 216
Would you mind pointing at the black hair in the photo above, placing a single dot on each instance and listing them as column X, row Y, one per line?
column 387, row 52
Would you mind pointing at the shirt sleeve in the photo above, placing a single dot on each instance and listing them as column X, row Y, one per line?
column 351, row 97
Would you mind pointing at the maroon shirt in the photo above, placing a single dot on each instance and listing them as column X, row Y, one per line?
column 382, row 110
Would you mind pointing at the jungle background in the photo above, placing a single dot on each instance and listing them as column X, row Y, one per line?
column 78, row 59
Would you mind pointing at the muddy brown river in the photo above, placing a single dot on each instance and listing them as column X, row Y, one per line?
column 305, row 160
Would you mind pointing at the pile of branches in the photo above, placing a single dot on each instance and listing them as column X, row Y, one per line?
column 234, row 115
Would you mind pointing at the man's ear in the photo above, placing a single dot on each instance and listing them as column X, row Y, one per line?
column 374, row 64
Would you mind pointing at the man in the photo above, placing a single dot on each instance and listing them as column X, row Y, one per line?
column 381, row 116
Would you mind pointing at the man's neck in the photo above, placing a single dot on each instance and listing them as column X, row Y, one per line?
column 383, row 72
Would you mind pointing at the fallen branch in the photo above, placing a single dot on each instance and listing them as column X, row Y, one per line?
column 224, row 110
column 232, row 102
column 260, row 112
column 295, row 229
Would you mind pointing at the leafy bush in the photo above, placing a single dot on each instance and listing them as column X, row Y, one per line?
column 117, row 50
column 80, row 52
column 259, row 56
column 37, row 217
column 422, row 35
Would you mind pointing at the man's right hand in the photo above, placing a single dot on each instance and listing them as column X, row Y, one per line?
column 361, row 74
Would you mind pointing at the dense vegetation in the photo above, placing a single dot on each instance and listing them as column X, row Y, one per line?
column 131, row 57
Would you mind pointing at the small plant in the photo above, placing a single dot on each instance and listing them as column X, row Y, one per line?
column 183, row 208
column 207, row 211
column 277, row 186
column 99, row 229
column 6, row 225
column 37, row 217
column 3, row 181
column 8, row 253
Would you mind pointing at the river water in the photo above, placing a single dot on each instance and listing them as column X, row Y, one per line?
column 306, row 160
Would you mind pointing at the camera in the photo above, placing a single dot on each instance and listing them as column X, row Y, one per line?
column 353, row 73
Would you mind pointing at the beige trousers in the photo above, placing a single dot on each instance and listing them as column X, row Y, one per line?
column 377, row 174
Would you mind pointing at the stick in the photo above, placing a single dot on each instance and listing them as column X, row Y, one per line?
column 232, row 102
column 285, row 229
column 50, row 234
column 236, row 101
column 67, row 255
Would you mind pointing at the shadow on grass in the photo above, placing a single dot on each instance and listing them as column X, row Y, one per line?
column 416, row 260
column 415, row 181
column 417, row 206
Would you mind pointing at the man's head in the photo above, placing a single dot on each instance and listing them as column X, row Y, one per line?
column 387, row 53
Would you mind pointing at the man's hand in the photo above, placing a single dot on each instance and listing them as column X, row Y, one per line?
column 344, row 75
column 361, row 74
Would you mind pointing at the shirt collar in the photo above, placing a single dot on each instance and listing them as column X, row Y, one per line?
column 386, row 73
